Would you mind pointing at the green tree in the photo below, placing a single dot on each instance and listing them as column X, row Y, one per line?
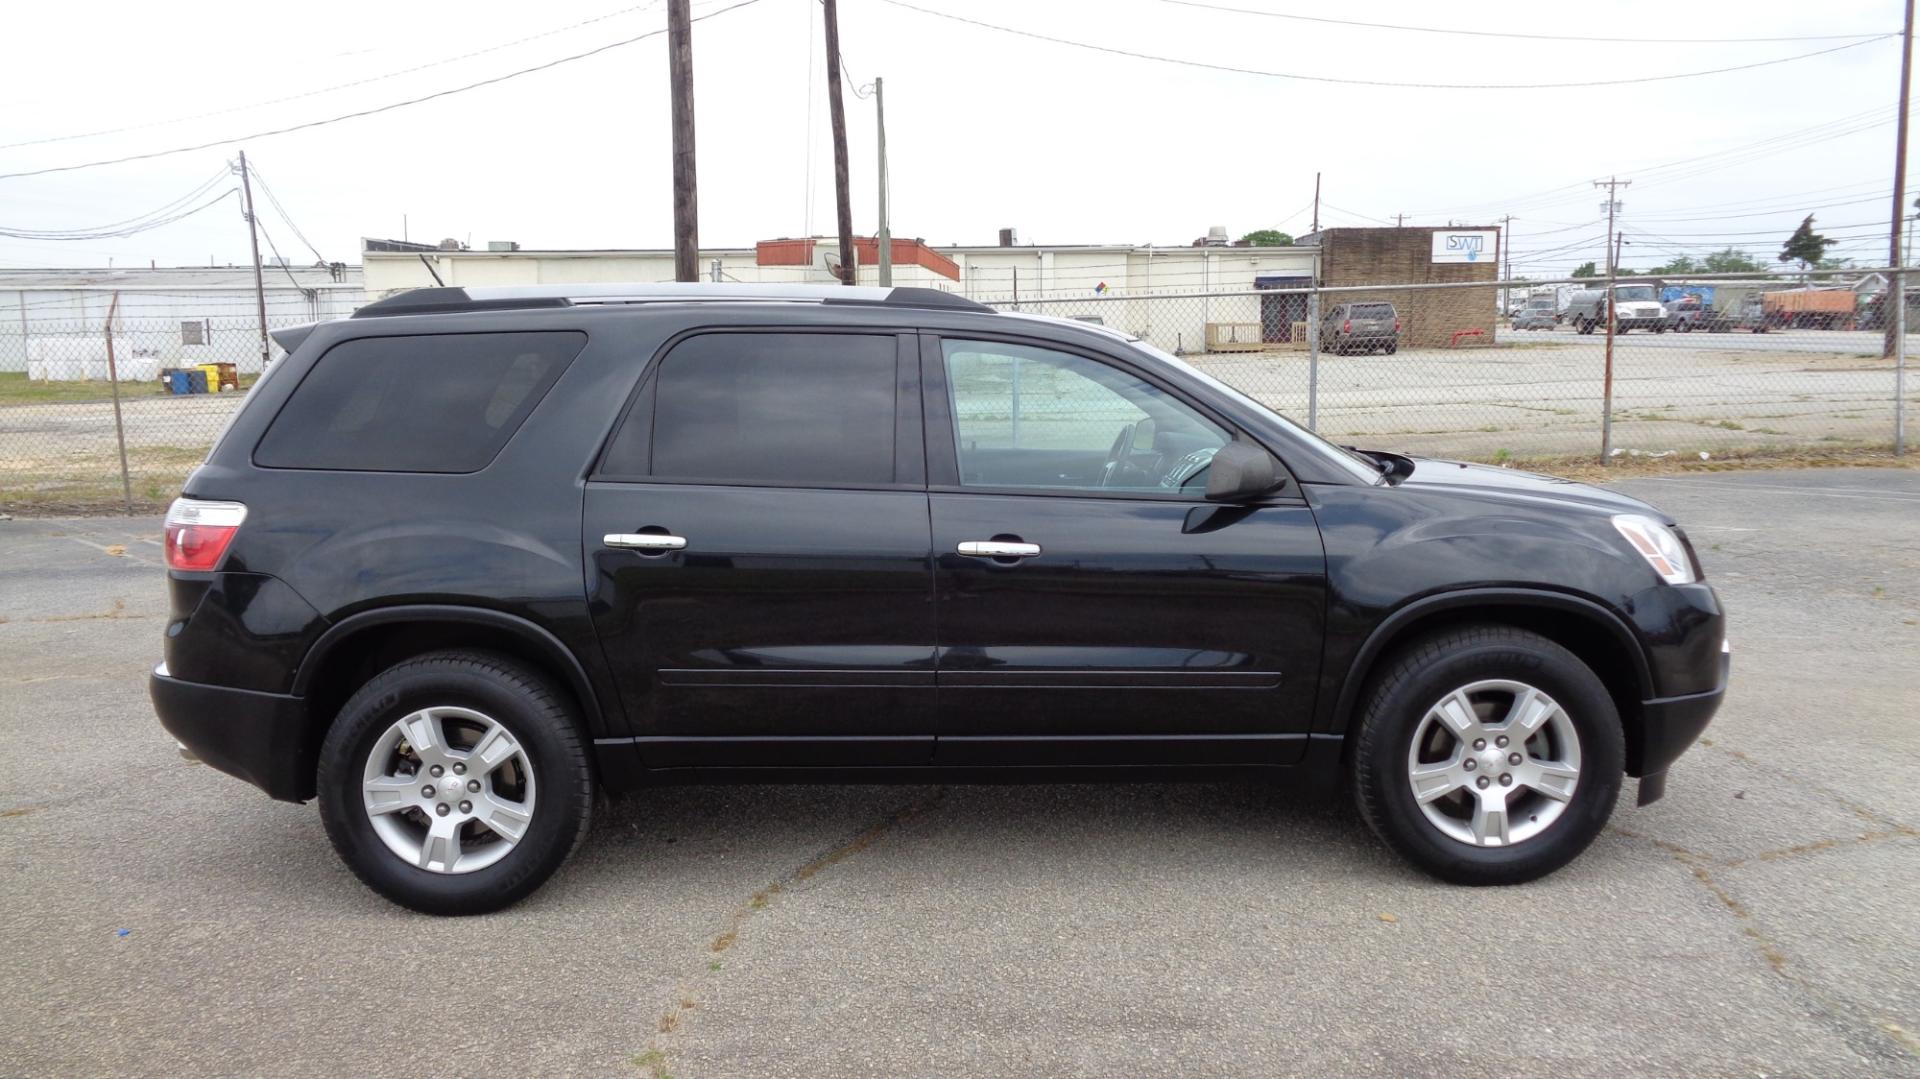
column 1585, row 269
column 1266, row 238
column 1805, row 246
column 1681, row 264
column 1731, row 260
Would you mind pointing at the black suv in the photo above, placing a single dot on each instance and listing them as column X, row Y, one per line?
column 473, row 556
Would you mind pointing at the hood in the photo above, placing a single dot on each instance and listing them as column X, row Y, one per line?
column 1430, row 474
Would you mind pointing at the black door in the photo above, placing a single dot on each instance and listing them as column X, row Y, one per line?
column 1092, row 607
column 758, row 553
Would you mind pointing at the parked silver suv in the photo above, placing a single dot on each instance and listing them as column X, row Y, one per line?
column 1361, row 327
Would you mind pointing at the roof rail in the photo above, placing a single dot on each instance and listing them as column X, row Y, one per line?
column 447, row 299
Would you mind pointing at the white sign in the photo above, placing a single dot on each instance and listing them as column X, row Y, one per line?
column 1475, row 246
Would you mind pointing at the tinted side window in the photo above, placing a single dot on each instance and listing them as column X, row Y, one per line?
column 1034, row 418
column 772, row 408
column 426, row 403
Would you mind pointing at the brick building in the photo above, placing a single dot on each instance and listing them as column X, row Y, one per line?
column 1407, row 256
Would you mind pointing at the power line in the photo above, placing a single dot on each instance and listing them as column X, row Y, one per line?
column 1815, row 133
column 108, row 230
column 1372, row 82
column 282, row 211
column 1353, row 213
column 279, row 259
column 134, row 230
column 1529, row 37
column 377, row 109
column 327, row 89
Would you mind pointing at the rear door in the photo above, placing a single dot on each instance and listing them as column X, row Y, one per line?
column 757, row 550
column 1093, row 608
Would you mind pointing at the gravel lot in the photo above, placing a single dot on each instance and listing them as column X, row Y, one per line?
column 161, row 918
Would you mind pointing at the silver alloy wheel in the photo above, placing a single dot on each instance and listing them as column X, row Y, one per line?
column 1494, row 763
column 448, row 789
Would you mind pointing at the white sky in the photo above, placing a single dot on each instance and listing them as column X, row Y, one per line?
column 987, row 129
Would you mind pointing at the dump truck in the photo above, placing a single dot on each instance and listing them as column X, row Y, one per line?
column 1809, row 308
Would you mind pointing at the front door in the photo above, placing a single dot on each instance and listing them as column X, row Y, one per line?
column 1092, row 606
column 757, row 552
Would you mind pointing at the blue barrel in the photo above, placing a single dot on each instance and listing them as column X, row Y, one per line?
column 196, row 381
column 179, row 383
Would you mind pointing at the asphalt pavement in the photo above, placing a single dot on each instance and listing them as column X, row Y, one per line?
column 161, row 918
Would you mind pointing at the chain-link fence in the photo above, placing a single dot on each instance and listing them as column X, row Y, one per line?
column 1488, row 372
column 1499, row 372
column 111, row 413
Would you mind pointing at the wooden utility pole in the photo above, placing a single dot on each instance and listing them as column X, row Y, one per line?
column 686, row 203
column 259, row 285
column 1316, row 202
column 1899, row 179
column 884, row 234
column 1612, row 184
column 842, row 204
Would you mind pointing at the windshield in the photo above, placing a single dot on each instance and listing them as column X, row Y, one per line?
column 1631, row 293
column 1358, row 467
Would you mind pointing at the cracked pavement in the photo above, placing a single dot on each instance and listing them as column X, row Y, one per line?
column 1759, row 920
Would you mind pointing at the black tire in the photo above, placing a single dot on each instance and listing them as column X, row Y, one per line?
column 1391, row 349
column 532, row 709
column 1584, row 325
column 1425, row 671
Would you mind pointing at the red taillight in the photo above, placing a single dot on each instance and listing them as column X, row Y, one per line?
column 199, row 532
column 1347, row 326
column 1396, row 325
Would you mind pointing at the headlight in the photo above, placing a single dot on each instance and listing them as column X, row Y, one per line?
column 1658, row 545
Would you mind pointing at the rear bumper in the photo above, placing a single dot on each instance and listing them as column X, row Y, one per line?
column 263, row 738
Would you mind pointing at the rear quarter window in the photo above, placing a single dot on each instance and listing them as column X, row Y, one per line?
column 421, row 403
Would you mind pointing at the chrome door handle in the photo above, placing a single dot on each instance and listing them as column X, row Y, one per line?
column 997, row 549
column 644, row 541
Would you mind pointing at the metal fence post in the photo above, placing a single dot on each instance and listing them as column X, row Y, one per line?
column 1899, row 299
column 1313, row 359
column 119, row 427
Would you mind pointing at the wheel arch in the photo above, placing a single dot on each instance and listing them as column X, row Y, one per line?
column 356, row 648
column 1600, row 638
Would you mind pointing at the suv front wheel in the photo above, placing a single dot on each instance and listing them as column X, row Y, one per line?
column 1488, row 755
column 455, row 783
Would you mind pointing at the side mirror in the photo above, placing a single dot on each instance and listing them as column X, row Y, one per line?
column 1241, row 471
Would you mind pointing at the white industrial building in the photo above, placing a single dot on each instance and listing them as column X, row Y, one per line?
column 53, row 322
column 1104, row 275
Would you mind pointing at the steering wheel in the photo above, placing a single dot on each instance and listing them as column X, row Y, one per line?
column 1122, row 442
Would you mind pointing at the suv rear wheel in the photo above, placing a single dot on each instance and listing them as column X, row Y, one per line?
column 455, row 783
column 1488, row 755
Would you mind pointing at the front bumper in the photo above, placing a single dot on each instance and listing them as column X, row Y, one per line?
column 1669, row 726
column 263, row 738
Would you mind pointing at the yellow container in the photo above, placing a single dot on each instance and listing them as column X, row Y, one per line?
column 212, row 371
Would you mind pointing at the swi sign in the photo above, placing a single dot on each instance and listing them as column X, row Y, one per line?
column 1477, row 245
